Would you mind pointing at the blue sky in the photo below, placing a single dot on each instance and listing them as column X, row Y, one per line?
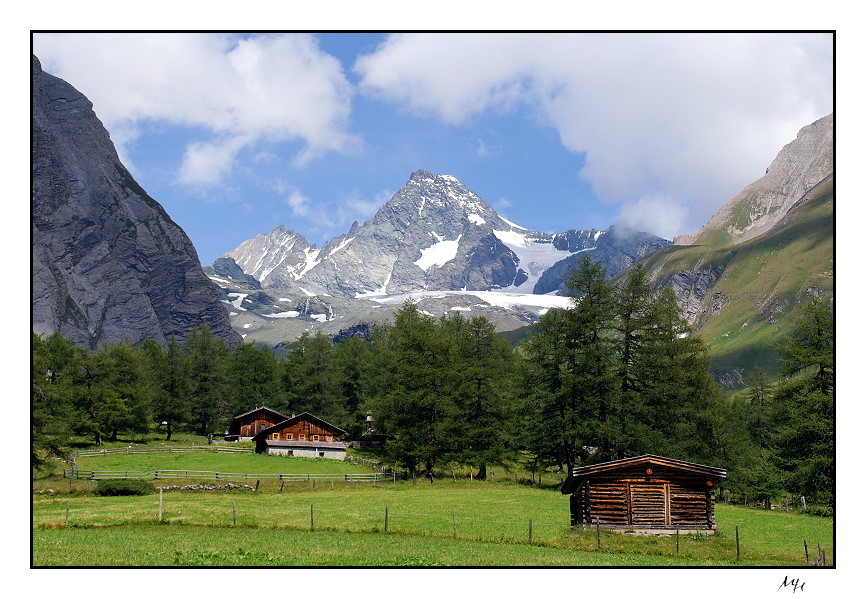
column 236, row 134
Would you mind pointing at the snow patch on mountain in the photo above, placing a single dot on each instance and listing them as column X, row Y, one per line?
column 441, row 252
column 501, row 299
column 535, row 256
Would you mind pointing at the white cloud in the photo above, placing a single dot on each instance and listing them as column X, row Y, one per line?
column 663, row 215
column 205, row 163
column 691, row 116
column 300, row 204
column 262, row 88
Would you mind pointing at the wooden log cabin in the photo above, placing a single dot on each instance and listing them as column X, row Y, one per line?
column 648, row 493
column 303, row 435
column 245, row 426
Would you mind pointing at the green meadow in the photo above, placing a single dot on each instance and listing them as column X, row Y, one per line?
column 408, row 523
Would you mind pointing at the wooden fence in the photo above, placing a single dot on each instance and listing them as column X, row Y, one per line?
column 226, row 476
column 166, row 449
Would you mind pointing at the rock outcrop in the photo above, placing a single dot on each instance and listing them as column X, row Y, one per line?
column 800, row 166
column 108, row 263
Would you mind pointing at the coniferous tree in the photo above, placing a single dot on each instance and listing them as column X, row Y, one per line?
column 352, row 357
column 253, row 377
column 409, row 398
column 309, row 380
column 55, row 373
column 634, row 311
column 570, row 369
column 207, row 358
column 804, row 405
column 171, row 404
column 116, row 392
column 482, row 389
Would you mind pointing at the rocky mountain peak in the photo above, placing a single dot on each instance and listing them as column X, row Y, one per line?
column 108, row 264
column 799, row 167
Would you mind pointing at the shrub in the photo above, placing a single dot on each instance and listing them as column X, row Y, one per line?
column 108, row 488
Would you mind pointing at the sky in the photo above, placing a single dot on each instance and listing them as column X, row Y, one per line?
column 235, row 134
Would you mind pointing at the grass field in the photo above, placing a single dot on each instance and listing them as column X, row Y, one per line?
column 445, row 523
column 252, row 463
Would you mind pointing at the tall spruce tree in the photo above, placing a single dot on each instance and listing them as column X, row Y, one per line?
column 309, row 378
column 409, row 399
column 804, row 405
column 570, row 373
column 207, row 358
column 171, row 403
column 253, row 377
column 634, row 312
column 55, row 373
column 481, row 373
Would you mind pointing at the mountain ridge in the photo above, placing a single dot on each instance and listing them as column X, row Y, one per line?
column 433, row 234
column 108, row 263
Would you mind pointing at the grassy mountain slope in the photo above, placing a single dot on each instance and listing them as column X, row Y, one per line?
column 761, row 282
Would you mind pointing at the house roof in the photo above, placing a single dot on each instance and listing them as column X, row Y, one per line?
column 582, row 472
column 290, row 421
column 265, row 408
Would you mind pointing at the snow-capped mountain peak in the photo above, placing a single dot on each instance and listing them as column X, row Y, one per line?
column 433, row 234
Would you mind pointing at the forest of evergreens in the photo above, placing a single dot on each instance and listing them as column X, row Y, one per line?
column 619, row 374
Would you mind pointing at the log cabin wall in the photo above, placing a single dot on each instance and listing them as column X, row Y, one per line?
column 662, row 499
column 304, row 430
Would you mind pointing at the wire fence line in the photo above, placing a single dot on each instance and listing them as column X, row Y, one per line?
column 166, row 449
column 225, row 511
column 350, row 477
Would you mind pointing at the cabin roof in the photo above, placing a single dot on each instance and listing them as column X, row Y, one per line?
column 264, row 408
column 290, row 421
column 583, row 472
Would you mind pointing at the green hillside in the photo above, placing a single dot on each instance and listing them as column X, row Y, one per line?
column 754, row 301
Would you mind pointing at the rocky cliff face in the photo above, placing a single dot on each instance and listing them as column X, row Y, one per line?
column 108, row 262
column 800, row 166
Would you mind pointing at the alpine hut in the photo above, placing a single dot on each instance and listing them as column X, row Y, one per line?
column 648, row 493
column 244, row 427
column 303, row 435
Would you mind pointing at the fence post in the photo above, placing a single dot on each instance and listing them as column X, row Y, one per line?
column 530, row 531
column 234, row 513
column 312, row 526
column 806, row 549
column 598, row 534
column 160, row 505
column 257, row 485
column 454, row 523
column 737, row 532
column 386, row 518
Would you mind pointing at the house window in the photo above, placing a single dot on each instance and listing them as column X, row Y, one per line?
column 302, row 437
column 329, row 438
column 289, row 436
column 315, row 437
column 275, row 436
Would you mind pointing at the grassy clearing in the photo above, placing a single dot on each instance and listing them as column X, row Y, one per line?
column 444, row 523
column 252, row 463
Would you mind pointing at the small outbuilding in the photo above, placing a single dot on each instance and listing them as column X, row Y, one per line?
column 245, row 426
column 303, row 435
column 647, row 493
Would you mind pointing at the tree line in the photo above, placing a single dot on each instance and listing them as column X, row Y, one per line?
column 617, row 374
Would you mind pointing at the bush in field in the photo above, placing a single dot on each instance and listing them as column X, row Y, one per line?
column 110, row 488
